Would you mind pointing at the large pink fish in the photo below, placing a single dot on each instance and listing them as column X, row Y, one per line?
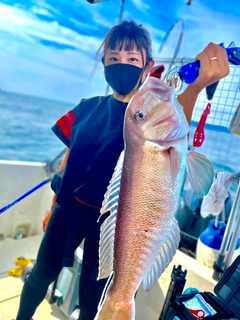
column 141, row 235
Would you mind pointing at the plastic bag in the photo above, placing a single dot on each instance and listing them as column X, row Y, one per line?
column 234, row 126
column 213, row 202
column 191, row 199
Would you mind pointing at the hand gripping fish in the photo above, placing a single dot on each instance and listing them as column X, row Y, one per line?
column 140, row 236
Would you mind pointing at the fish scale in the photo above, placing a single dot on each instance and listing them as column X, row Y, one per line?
column 144, row 213
column 140, row 236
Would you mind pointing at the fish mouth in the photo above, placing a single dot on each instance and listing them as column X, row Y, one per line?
column 156, row 123
column 166, row 143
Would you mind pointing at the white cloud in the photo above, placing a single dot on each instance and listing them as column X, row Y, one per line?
column 25, row 24
column 70, row 83
column 42, row 11
column 29, row 66
column 32, row 68
column 101, row 20
column 140, row 4
column 203, row 25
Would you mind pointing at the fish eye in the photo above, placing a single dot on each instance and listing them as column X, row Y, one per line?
column 139, row 116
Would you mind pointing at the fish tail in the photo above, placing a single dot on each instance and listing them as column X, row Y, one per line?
column 111, row 310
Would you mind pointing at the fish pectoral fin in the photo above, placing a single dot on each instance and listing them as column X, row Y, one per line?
column 165, row 256
column 200, row 173
column 175, row 163
column 107, row 230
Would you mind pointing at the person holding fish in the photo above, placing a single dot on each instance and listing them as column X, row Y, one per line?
column 143, row 194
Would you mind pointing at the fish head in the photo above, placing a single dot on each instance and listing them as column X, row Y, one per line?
column 154, row 114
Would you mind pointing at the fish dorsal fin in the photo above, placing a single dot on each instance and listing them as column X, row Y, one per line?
column 107, row 231
column 200, row 173
column 165, row 256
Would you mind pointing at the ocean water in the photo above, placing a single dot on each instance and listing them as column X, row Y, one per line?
column 25, row 127
column 25, row 133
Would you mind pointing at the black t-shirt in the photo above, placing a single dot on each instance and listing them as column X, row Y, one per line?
column 94, row 133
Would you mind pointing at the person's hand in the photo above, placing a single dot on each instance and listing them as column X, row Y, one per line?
column 47, row 217
column 46, row 220
column 211, row 70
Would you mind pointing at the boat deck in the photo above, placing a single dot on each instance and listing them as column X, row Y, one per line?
column 11, row 287
column 149, row 304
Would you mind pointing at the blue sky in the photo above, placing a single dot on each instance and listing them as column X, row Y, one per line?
column 48, row 47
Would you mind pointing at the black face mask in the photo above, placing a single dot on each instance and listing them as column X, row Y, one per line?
column 122, row 78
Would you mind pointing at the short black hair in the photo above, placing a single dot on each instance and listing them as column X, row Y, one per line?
column 129, row 34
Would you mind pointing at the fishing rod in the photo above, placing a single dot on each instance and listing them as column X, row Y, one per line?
column 50, row 169
column 26, row 194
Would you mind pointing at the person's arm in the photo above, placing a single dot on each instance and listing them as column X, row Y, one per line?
column 188, row 99
column 54, row 199
column 210, row 72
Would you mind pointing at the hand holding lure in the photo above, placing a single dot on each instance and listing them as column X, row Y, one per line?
column 188, row 73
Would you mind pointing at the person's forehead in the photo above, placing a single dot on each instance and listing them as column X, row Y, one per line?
column 118, row 49
column 123, row 45
column 128, row 52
